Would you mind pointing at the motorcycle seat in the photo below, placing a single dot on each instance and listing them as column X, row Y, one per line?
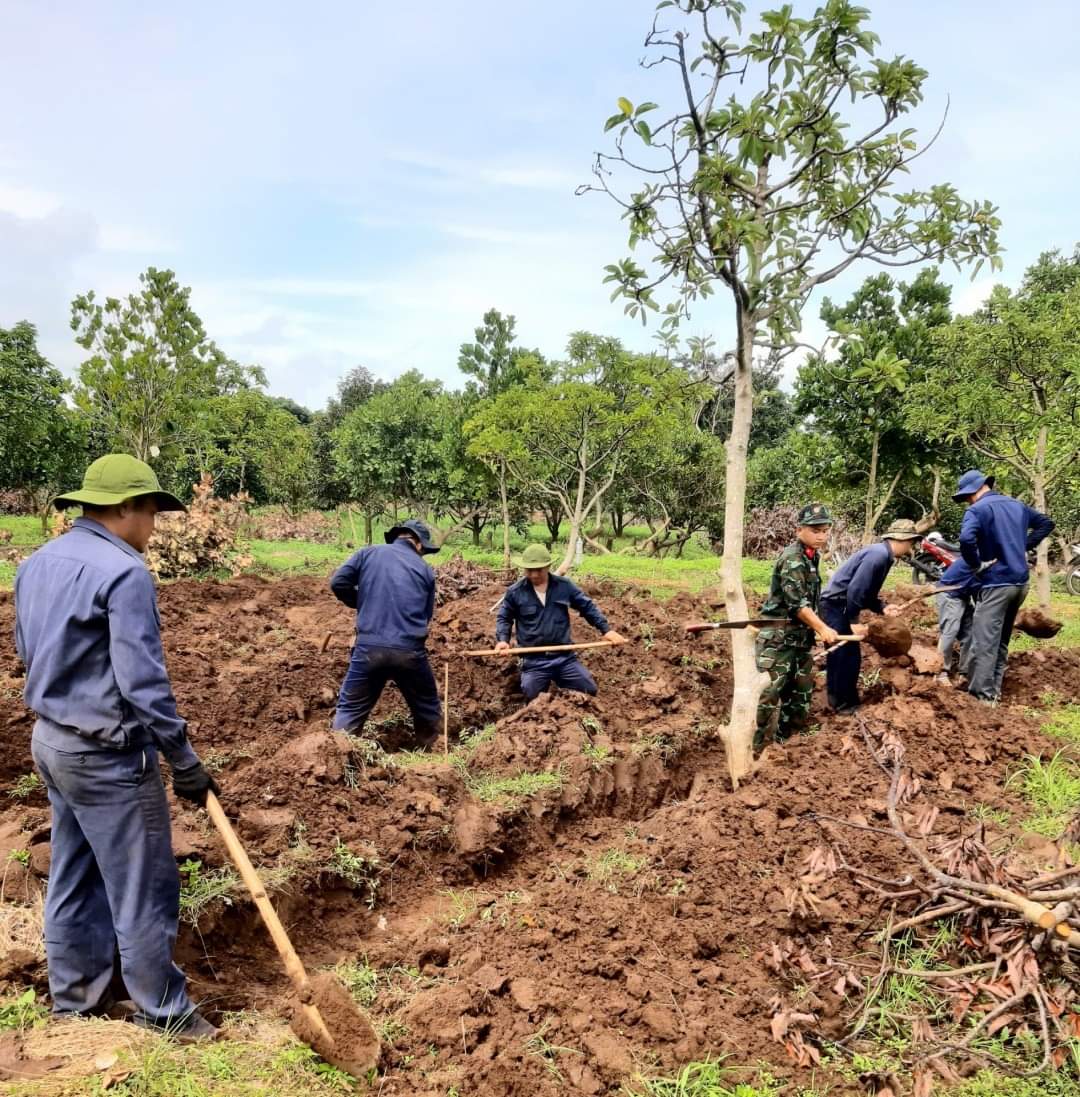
column 948, row 546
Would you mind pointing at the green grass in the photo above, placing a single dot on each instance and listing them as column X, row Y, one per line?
column 1066, row 609
column 201, row 889
column 489, row 787
column 1064, row 723
column 25, row 530
column 356, row 869
column 613, row 867
column 22, row 1012
column 707, row 1078
column 25, row 786
column 1052, row 787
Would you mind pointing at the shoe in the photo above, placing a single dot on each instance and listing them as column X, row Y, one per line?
column 944, row 678
column 193, row 1029
column 846, row 710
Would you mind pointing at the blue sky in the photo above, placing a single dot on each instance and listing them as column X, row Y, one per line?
column 341, row 183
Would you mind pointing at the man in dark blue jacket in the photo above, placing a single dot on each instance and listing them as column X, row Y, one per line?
column 996, row 535
column 955, row 611
column 539, row 605
column 855, row 586
column 393, row 593
column 87, row 628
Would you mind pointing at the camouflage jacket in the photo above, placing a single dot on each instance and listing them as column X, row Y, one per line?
column 796, row 584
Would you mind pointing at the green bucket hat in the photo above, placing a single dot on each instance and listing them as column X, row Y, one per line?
column 115, row 478
column 815, row 514
column 535, row 556
column 903, row 529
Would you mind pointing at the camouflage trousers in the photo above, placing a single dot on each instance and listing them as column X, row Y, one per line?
column 784, row 706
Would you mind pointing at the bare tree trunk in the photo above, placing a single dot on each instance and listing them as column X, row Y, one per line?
column 871, row 492
column 738, row 733
column 477, row 524
column 369, row 533
column 577, row 517
column 504, row 504
column 1038, row 490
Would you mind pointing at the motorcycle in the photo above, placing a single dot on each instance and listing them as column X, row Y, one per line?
column 932, row 555
column 1072, row 571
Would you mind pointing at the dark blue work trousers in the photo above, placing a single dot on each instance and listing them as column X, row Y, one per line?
column 843, row 665
column 566, row 671
column 114, row 892
column 369, row 672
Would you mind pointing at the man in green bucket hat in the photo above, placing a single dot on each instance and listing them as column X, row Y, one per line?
column 538, row 605
column 87, row 629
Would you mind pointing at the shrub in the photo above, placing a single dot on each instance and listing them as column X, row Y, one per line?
column 312, row 525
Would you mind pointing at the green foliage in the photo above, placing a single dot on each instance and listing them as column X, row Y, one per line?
column 489, row 787
column 1052, row 787
column 612, row 867
column 151, row 367
column 201, row 889
column 42, row 441
column 705, row 1078
column 358, row 870
column 22, row 1012
column 25, row 786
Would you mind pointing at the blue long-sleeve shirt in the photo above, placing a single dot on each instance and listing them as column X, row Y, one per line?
column 87, row 628
column 1004, row 529
column 959, row 574
column 857, row 582
column 393, row 593
column 540, row 624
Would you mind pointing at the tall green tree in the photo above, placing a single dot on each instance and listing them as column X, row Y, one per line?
column 768, row 180
column 493, row 362
column 858, row 396
column 42, row 439
column 357, row 386
column 1006, row 381
column 151, row 366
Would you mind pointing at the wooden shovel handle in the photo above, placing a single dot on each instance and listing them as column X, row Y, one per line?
column 552, row 647
column 293, row 967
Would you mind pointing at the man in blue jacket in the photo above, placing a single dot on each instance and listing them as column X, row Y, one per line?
column 88, row 630
column 855, row 586
column 393, row 593
column 995, row 537
column 955, row 611
column 539, row 606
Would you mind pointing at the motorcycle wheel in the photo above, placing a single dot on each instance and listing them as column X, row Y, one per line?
column 928, row 571
column 1072, row 580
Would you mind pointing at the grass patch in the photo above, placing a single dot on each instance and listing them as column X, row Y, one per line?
column 200, row 889
column 23, row 1012
column 1066, row 609
column 1052, row 786
column 488, row 787
column 361, row 871
column 1064, row 723
column 613, row 867
column 707, row 1078
column 24, row 787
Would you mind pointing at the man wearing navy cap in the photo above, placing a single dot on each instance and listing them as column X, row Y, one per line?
column 393, row 593
column 996, row 535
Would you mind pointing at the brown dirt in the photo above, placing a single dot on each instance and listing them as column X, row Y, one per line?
column 1037, row 623
column 888, row 636
column 634, row 914
column 354, row 1044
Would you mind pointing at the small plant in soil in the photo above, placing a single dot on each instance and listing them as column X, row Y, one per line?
column 591, row 725
column 359, row 871
column 20, row 855
column 22, row 1012
column 200, row 889
column 392, row 1030
column 596, row 755
column 24, row 787
column 490, row 787
column 614, row 866
column 983, row 813
column 1065, row 724
column 538, row 1044
column 661, row 745
column 463, row 904
column 360, row 979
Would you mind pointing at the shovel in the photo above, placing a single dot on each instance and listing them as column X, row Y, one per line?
column 549, row 647
column 328, row 1019
column 696, row 627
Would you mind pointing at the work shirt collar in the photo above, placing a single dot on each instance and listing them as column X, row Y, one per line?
column 99, row 530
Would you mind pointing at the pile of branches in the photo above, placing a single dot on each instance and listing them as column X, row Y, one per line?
column 459, row 577
column 14, row 501
column 279, row 525
column 770, row 529
column 202, row 541
column 997, row 948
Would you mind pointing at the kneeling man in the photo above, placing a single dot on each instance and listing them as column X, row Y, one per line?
column 539, row 605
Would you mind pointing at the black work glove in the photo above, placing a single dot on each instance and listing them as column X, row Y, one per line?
column 194, row 783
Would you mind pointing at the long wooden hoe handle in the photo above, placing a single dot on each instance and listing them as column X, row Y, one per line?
column 552, row 647
column 293, row 967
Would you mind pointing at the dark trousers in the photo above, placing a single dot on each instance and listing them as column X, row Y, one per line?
column 843, row 665
column 369, row 672
column 566, row 671
column 987, row 649
column 114, row 891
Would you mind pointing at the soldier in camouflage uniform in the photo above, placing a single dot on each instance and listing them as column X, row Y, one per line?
column 784, row 652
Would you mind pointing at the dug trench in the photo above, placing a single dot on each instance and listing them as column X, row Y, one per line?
column 574, row 894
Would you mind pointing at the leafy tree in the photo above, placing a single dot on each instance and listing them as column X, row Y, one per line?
column 761, row 184
column 492, row 362
column 151, row 366
column 42, row 440
column 1006, row 381
column 287, row 462
column 858, row 398
column 357, row 386
column 302, row 415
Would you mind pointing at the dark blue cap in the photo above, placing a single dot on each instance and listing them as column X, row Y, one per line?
column 418, row 530
column 970, row 483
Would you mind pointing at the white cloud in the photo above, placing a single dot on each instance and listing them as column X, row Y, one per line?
column 27, row 202
column 969, row 296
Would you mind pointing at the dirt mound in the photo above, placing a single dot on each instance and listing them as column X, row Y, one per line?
column 888, row 636
column 575, row 890
column 1037, row 623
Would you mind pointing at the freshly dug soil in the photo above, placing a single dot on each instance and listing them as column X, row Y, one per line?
column 1037, row 623
column 355, row 1047
column 582, row 870
column 889, row 636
